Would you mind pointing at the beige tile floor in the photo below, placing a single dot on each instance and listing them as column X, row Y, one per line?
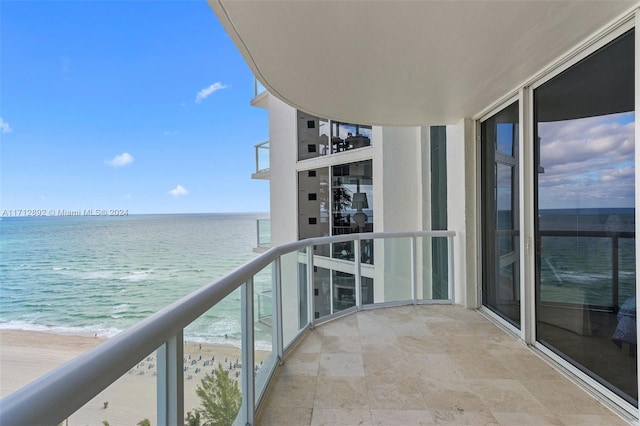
column 420, row 365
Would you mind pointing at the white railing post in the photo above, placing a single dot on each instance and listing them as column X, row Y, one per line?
column 248, row 377
column 414, row 271
column 310, row 304
column 451, row 275
column 276, row 314
column 358, row 274
column 170, row 382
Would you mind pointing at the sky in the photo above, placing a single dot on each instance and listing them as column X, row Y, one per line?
column 134, row 105
column 588, row 162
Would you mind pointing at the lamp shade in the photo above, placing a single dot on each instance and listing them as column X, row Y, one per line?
column 359, row 201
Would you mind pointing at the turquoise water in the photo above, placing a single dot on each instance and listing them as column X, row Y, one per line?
column 100, row 275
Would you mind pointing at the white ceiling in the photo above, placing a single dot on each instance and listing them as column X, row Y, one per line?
column 405, row 62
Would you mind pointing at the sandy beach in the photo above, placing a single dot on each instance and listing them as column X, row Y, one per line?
column 25, row 356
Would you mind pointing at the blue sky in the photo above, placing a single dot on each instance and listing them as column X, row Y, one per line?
column 138, row 105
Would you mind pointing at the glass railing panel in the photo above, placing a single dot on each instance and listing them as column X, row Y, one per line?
column 343, row 286
column 293, row 271
column 213, row 360
column 262, row 157
column 432, row 254
column 264, row 232
column 258, row 87
column 323, row 250
column 263, row 315
column 343, row 251
column 392, row 270
column 129, row 400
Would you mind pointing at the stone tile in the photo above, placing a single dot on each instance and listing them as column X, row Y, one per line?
column 522, row 364
column 497, row 395
column 526, row 419
column 340, row 344
column 478, row 364
column 419, row 344
column 341, row 365
column 593, row 420
column 381, row 342
column 346, row 326
column 329, row 416
column 412, row 328
column 341, row 392
column 292, row 391
column 302, row 364
column 401, row 417
column 562, row 397
column 285, row 416
column 387, row 364
column 399, row 393
column 311, row 343
column 463, row 418
column 434, row 366
column 450, row 395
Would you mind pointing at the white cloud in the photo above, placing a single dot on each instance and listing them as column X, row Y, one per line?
column 170, row 132
column 4, row 126
column 589, row 162
column 178, row 190
column 208, row 91
column 120, row 160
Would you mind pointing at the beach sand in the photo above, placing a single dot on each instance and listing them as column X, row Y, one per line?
column 26, row 356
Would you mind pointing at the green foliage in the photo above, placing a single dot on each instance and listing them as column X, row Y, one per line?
column 104, row 423
column 220, row 398
column 144, row 422
column 193, row 420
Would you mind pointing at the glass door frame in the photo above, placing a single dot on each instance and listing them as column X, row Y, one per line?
column 504, row 103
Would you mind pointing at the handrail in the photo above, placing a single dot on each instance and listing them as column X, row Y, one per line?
column 53, row 397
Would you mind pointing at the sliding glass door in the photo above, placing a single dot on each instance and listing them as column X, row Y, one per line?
column 584, row 124
column 501, row 270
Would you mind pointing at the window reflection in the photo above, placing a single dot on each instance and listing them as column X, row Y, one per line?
column 318, row 136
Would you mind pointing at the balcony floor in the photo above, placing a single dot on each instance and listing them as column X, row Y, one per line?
column 418, row 365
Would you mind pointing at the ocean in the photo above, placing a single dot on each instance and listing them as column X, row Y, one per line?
column 588, row 256
column 100, row 275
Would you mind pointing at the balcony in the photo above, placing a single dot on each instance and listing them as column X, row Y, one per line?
column 416, row 365
column 260, row 95
column 381, row 348
column 263, row 235
column 262, row 161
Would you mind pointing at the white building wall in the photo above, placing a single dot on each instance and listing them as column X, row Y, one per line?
column 461, row 208
column 283, row 185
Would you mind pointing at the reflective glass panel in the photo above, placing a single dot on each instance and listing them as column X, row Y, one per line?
column 585, row 227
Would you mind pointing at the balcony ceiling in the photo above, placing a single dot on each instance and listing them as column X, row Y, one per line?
column 405, row 63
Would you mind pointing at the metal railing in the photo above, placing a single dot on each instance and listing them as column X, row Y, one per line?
column 56, row 396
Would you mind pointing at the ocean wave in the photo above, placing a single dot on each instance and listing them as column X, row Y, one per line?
column 59, row 329
column 120, row 308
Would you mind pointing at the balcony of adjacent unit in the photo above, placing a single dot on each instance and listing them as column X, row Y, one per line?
column 263, row 235
column 262, row 161
column 325, row 340
column 260, row 95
